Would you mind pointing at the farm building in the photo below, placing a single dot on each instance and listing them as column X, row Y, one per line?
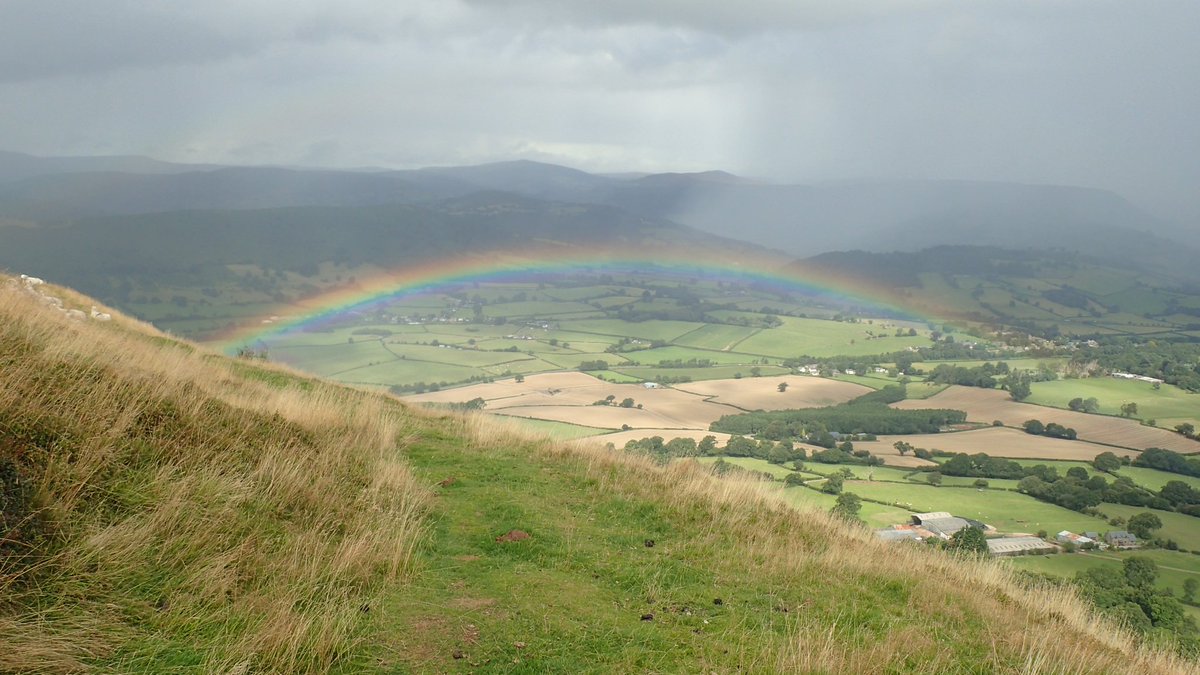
column 942, row 524
column 1006, row 546
column 1067, row 537
column 650, row 385
column 899, row 533
column 1121, row 539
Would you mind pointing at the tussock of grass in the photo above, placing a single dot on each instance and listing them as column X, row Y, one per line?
column 175, row 513
column 169, row 510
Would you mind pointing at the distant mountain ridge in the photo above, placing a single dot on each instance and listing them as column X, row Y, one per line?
column 803, row 220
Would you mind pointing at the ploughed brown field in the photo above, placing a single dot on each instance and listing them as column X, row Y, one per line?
column 986, row 405
column 994, row 441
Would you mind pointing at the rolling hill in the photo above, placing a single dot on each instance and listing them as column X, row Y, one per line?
column 168, row 509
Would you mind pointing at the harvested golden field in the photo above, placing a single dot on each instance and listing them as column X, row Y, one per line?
column 762, row 393
column 569, row 397
column 994, row 441
column 985, row 405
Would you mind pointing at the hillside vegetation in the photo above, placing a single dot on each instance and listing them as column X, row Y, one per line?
column 168, row 509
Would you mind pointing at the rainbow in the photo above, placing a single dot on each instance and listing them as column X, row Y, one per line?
column 443, row 275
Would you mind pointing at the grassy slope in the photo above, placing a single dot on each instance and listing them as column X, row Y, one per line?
column 199, row 514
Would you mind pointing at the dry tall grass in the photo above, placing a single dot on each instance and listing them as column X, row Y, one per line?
column 258, row 520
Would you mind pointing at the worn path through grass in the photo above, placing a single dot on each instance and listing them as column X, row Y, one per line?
column 587, row 592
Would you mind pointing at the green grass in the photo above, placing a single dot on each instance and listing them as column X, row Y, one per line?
column 874, row 515
column 1173, row 567
column 716, row 336
column 753, row 464
column 645, row 330
column 872, row 381
column 1006, row 511
column 1185, row 530
column 921, row 390
column 819, row 338
column 575, row 591
column 651, row 357
column 404, row 372
column 964, row 481
column 329, row 360
column 538, row 309
column 559, row 430
column 1166, row 402
column 654, row 373
column 1154, row 479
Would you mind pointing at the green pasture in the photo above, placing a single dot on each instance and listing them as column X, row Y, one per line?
column 921, row 390
column 645, row 330
column 535, row 309
column 405, row 372
column 1166, row 402
column 1006, row 511
column 1013, row 364
column 872, row 381
column 716, row 336
column 558, row 430
column 1173, row 567
column 874, row 515
column 1185, row 530
column 651, row 357
column 580, row 293
column 655, row 374
column 327, row 360
column 819, row 338
column 613, row 301
column 922, row 477
column 570, row 361
column 1154, row 479
column 455, row 356
column 754, row 464
column 615, row 376
column 867, row 473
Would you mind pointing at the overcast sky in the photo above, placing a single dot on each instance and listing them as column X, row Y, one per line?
column 1086, row 92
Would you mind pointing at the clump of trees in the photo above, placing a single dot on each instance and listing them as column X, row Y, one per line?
column 1168, row 460
column 1053, row 430
column 1087, row 405
column 1129, row 595
column 847, row 418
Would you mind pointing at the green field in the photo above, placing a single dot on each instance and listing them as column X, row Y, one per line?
column 716, row 336
column 874, row 515
column 752, row 464
column 1166, row 404
column 645, row 330
column 1154, row 479
column 1173, row 567
column 558, row 430
column 654, row 373
column 651, row 357
column 1185, row 530
column 815, row 337
column 1006, row 511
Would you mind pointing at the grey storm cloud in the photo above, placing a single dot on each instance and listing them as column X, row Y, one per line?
column 1101, row 93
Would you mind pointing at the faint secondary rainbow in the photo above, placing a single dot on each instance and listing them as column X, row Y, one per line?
column 444, row 274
